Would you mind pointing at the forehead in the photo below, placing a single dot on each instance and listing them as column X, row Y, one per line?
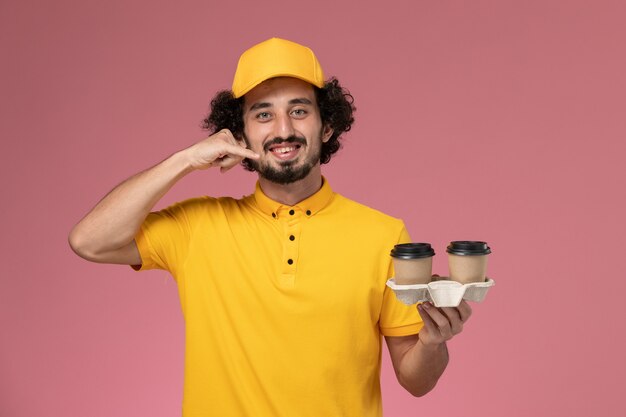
column 277, row 91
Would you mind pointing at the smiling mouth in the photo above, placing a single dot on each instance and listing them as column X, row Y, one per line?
column 284, row 149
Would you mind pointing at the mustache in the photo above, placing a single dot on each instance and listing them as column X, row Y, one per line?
column 278, row 141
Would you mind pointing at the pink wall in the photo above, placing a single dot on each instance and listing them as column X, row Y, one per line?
column 495, row 120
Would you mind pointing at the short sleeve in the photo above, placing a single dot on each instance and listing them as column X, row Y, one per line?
column 396, row 318
column 163, row 239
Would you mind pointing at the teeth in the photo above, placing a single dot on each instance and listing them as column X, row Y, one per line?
column 284, row 150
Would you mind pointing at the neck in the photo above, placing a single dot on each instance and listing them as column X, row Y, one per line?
column 293, row 193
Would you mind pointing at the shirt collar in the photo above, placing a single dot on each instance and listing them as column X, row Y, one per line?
column 309, row 206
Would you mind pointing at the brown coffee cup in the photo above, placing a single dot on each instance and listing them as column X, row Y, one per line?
column 467, row 261
column 412, row 263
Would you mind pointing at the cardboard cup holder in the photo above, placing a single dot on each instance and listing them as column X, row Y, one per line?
column 442, row 292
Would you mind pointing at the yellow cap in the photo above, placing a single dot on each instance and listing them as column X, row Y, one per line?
column 276, row 58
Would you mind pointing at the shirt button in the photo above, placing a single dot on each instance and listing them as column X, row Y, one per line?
column 289, row 261
column 292, row 212
column 292, row 237
column 308, row 212
column 274, row 215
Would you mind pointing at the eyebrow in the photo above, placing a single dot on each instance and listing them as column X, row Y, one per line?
column 264, row 105
column 256, row 106
column 300, row 101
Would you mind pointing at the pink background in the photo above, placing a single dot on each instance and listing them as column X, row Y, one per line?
column 495, row 120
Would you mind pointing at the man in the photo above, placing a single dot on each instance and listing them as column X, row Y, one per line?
column 283, row 291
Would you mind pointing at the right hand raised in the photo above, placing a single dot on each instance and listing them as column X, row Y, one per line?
column 219, row 150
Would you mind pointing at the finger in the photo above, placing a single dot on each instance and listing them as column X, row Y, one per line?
column 241, row 151
column 465, row 310
column 428, row 321
column 226, row 133
column 454, row 318
column 225, row 169
column 429, row 334
column 227, row 136
column 232, row 139
column 441, row 320
column 227, row 163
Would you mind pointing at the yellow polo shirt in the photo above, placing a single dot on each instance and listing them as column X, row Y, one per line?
column 284, row 306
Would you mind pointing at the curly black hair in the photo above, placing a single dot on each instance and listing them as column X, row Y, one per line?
column 336, row 106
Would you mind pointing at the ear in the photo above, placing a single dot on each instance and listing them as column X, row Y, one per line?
column 327, row 133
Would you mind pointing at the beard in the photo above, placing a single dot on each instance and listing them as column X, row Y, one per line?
column 288, row 171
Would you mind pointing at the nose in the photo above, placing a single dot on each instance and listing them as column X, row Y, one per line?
column 284, row 126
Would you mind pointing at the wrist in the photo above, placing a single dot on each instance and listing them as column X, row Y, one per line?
column 182, row 161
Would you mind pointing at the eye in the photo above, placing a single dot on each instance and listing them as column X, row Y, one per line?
column 263, row 115
column 299, row 112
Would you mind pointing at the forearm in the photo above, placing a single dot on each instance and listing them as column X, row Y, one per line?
column 421, row 367
column 107, row 232
column 115, row 220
